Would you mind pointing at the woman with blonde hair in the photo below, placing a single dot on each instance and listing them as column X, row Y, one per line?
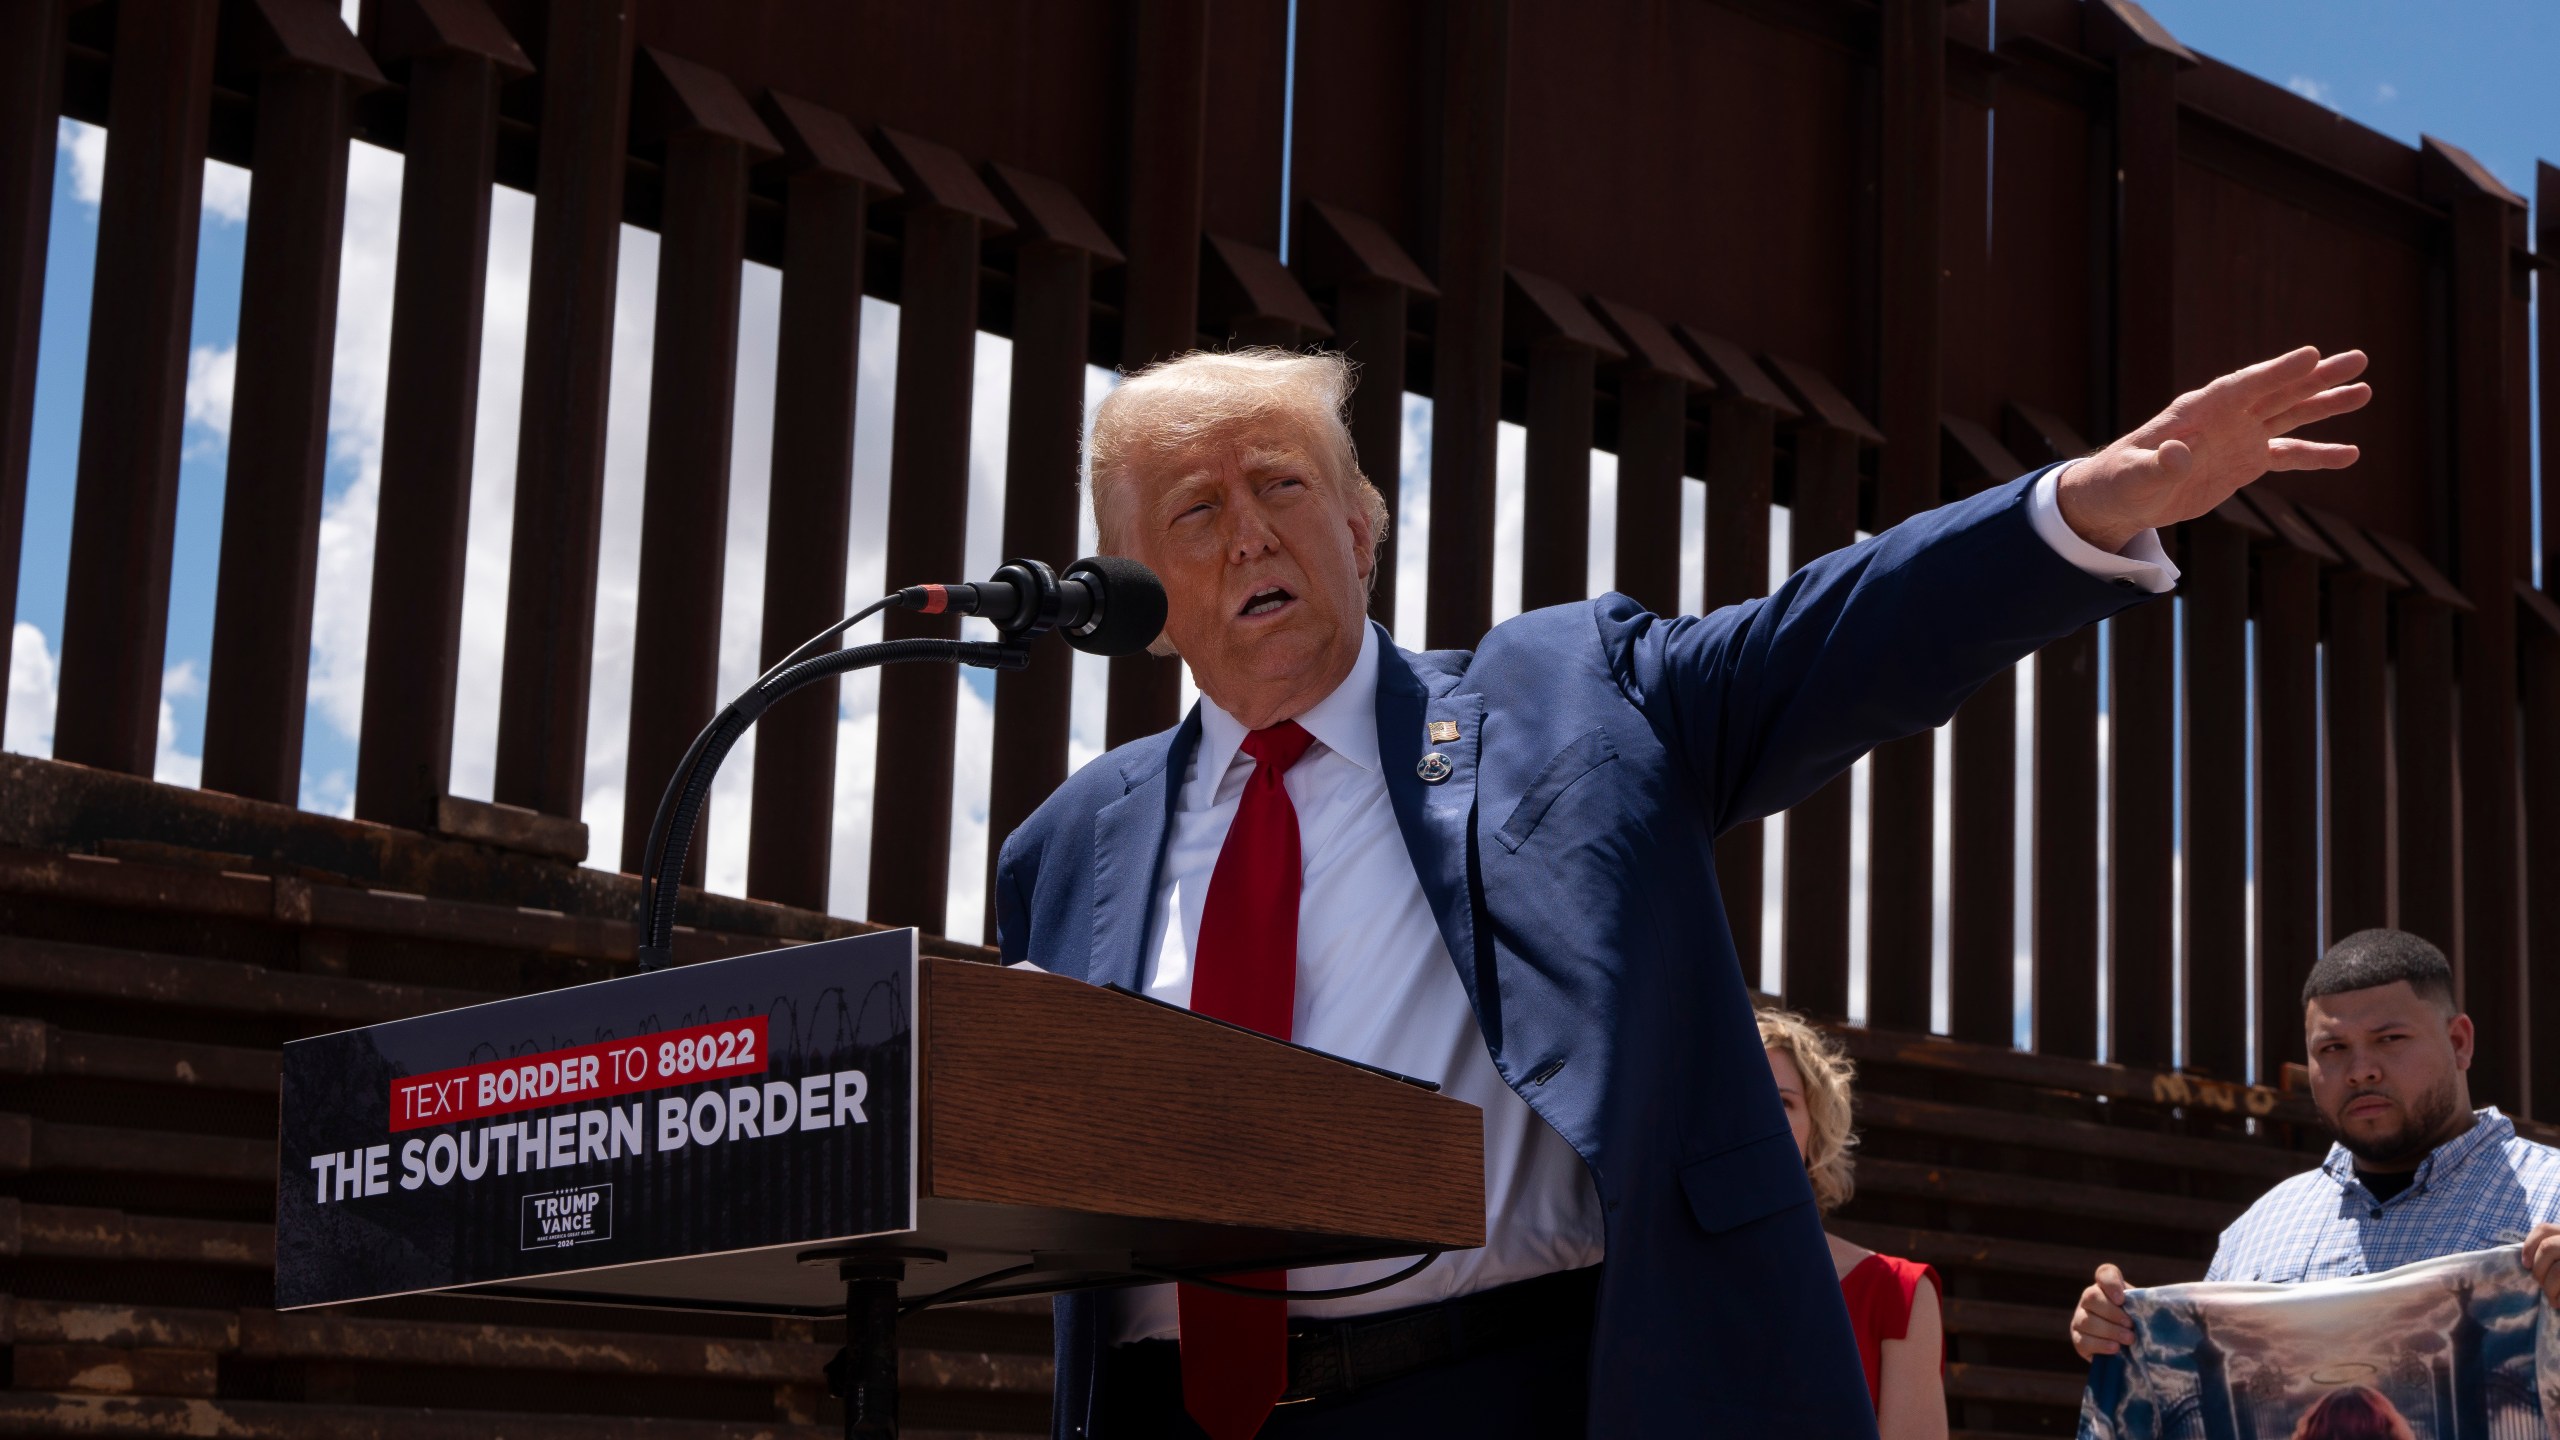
column 1894, row 1314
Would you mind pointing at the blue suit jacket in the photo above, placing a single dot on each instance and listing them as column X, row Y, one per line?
column 1569, row 861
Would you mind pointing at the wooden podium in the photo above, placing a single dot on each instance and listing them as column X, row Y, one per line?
column 1095, row 1137
column 1044, row 1135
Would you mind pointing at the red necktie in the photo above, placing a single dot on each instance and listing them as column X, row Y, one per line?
column 1245, row 969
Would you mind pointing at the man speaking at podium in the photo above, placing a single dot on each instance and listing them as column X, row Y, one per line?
column 1495, row 870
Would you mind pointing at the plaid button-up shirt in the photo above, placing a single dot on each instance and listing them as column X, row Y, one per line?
column 2484, row 1187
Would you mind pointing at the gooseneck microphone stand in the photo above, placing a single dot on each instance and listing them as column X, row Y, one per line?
column 1104, row 606
column 671, row 834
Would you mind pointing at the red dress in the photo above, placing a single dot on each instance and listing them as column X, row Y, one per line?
column 1879, row 1290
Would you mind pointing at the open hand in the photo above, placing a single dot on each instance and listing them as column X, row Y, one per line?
column 2210, row 442
column 2542, row 1257
column 2100, row 1326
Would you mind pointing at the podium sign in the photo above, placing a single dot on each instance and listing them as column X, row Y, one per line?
column 647, row 1139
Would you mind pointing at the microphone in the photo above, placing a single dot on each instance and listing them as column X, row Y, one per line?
column 1103, row 605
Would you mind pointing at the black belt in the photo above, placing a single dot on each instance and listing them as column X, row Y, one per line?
column 1334, row 1357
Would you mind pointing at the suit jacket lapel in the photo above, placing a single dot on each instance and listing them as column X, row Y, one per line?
column 1128, row 846
column 1435, row 818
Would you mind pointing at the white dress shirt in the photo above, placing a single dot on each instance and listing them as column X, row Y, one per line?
column 1376, row 984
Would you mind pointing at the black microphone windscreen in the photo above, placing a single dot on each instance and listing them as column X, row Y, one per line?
column 1133, row 605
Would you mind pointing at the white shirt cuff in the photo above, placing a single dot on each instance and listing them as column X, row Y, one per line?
column 2141, row 565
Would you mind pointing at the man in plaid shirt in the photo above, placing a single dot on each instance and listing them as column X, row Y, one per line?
column 2415, row 1173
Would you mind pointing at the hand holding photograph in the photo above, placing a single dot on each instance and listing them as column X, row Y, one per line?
column 2456, row 1348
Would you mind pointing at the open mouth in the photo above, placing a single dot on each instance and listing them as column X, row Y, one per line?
column 1266, row 601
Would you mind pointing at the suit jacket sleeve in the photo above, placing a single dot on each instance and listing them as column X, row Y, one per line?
column 1014, row 859
column 1769, row 699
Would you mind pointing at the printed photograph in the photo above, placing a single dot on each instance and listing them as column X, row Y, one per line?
column 2457, row 1348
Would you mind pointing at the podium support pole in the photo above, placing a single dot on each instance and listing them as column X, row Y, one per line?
column 871, row 1346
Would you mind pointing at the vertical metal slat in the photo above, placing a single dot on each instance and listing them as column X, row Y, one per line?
column 115, row 612
column 568, row 376
column 278, row 465
column 431, row 400
column 709, row 137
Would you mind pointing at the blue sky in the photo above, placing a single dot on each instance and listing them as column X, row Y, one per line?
column 2471, row 71
column 2476, row 72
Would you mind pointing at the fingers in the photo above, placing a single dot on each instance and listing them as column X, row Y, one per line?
column 2332, row 372
column 2542, row 1255
column 2309, row 455
column 2098, row 1327
column 2111, row 1284
column 2338, row 400
column 2260, row 384
column 2338, row 369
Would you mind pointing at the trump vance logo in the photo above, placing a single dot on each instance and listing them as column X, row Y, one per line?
column 558, row 1218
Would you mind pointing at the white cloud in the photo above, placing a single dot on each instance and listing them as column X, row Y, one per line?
column 226, row 192
column 973, row 728
column 1693, row 545
column 1773, row 904
column 28, row 728
column 1510, row 498
column 1773, row 832
column 1088, row 703
column 226, row 187
column 1600, row 553
column 169, row 765
column 1413, row 525
column 88, row 147
column 212, row 373
column 973, row 769
column 331, row 794
column 849, row 840
column 866, row 576
column 493, row 493
column 1861, row 914
column 626, row 452
column 2386, row 92
column 2316, row 91
column 359, row 383
column 742, row 574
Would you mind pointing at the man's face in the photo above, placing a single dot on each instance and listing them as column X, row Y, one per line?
column 1265, row 560
column 2387, row 1071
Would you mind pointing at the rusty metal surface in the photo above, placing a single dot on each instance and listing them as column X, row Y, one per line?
column 115, row 610
column 833, row 177
column 278, row 448
column 431, row 401
column 568, row 362
column 30, row 106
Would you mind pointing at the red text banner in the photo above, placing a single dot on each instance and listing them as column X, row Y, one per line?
column 584, row 1072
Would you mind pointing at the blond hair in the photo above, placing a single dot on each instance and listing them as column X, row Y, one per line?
column 1827, row 1073
column 1172, row 405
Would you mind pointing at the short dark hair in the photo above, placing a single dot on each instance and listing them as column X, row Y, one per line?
column 2370, row 958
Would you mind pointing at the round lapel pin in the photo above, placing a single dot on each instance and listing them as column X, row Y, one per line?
column 1433, row 769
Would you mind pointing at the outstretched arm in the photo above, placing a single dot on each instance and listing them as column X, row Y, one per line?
column 1772, row 698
